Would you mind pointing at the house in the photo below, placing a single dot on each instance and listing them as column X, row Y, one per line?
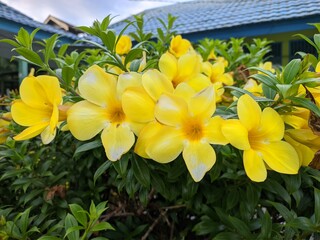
column 276, row 20
column 11, row 21
column 60, row 24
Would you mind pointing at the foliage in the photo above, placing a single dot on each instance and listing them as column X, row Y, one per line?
column 74, row 185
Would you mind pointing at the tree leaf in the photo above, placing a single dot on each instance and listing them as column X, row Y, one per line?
column 102, row 226
column 104, row 166
column 79, row 214
column 88, row 146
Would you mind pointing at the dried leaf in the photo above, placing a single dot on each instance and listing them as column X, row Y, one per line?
column 314, row 120
column 315, row 163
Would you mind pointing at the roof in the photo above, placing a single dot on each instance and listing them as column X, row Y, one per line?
column 11, row 20
column 207, row 15
column 58, row 23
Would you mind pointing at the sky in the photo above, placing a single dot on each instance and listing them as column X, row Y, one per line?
column 83, row 12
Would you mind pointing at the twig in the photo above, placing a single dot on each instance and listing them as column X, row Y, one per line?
column 174, row 207
column 162, row 214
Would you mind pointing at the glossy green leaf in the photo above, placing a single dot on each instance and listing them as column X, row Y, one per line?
column 79, row 214
column 304, row 102
column 102, row 226
column 71, row 223
column 104, row 166
column 88, row 146
column 290, row 71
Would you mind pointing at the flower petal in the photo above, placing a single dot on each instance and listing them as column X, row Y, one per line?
column 203, row 103
column 199, row 157
column 280, row 157
column 199, row 82
column 97, row 86
column 137, row 105
column 272, row 125
column 54, row 119
column 170, row 110
column 213, row 131
column 117, row 139
column 249, row 112
column 165, row 145
column 189, row 66
column 168, row 65
column 146, row 134
column 25, row 115
column 31, row 132
column 254, row 166
column 47, row 135
column 85, row 120
column 51, row 87
column 236, row 134
column 127, row 80
column 305, row 153
column 184, row 91
column 155, row 83
column 40, row 91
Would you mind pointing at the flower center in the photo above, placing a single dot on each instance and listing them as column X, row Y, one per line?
column 193, row 129
column 116, row 114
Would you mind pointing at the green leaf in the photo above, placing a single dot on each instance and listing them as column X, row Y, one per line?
column 67, row 75
column 290, row 71
column 104, row 166
column 109, row 39
column 23, row 38
column 240, row 227
column 49, row 48
column 302, row 223
column 271, row 83
column 141, row 171
column 74, row 230
column 307, row 40
column 49, row 238
column 284, row 212
column 10, row 41
column 268, row 91
column 70, row 222
column 227, row 236
column 30, row 55
column 88, row 146
column 266, row 226
column 132, row 55
column 304, row 102
column 273, row 186
column 79, row 214
column 317, row 205
column 23, row 222
column 316, row 39
column 102, row 226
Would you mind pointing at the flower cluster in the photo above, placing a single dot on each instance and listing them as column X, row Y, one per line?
column 170, row 109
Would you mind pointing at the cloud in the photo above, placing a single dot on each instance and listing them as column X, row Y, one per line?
column 80, row 12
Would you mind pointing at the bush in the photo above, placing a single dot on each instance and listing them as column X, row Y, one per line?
column 163, row 140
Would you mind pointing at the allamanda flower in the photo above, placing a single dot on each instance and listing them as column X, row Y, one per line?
column 180, row 69
column 179, row 46
column 185, row 125
column 259, row 134
column 124, row 45
column 39, row 108
column 102, row 111
column 5, row 120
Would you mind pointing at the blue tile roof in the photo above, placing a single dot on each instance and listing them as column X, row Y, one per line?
column 207, row 15
column 9, row 16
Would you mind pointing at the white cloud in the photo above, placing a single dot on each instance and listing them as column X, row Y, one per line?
column 80, row 12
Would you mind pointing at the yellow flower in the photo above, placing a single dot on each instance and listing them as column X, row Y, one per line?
column 139, row 101
column 102, row 111
column 38, row 108
column 182, row 69
column 259, row 134
column 124, row 45
column 216, row 72
column 184, row 125
column 253, row 87
column 267, row 66
column 4, row 123
column 179, row 46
